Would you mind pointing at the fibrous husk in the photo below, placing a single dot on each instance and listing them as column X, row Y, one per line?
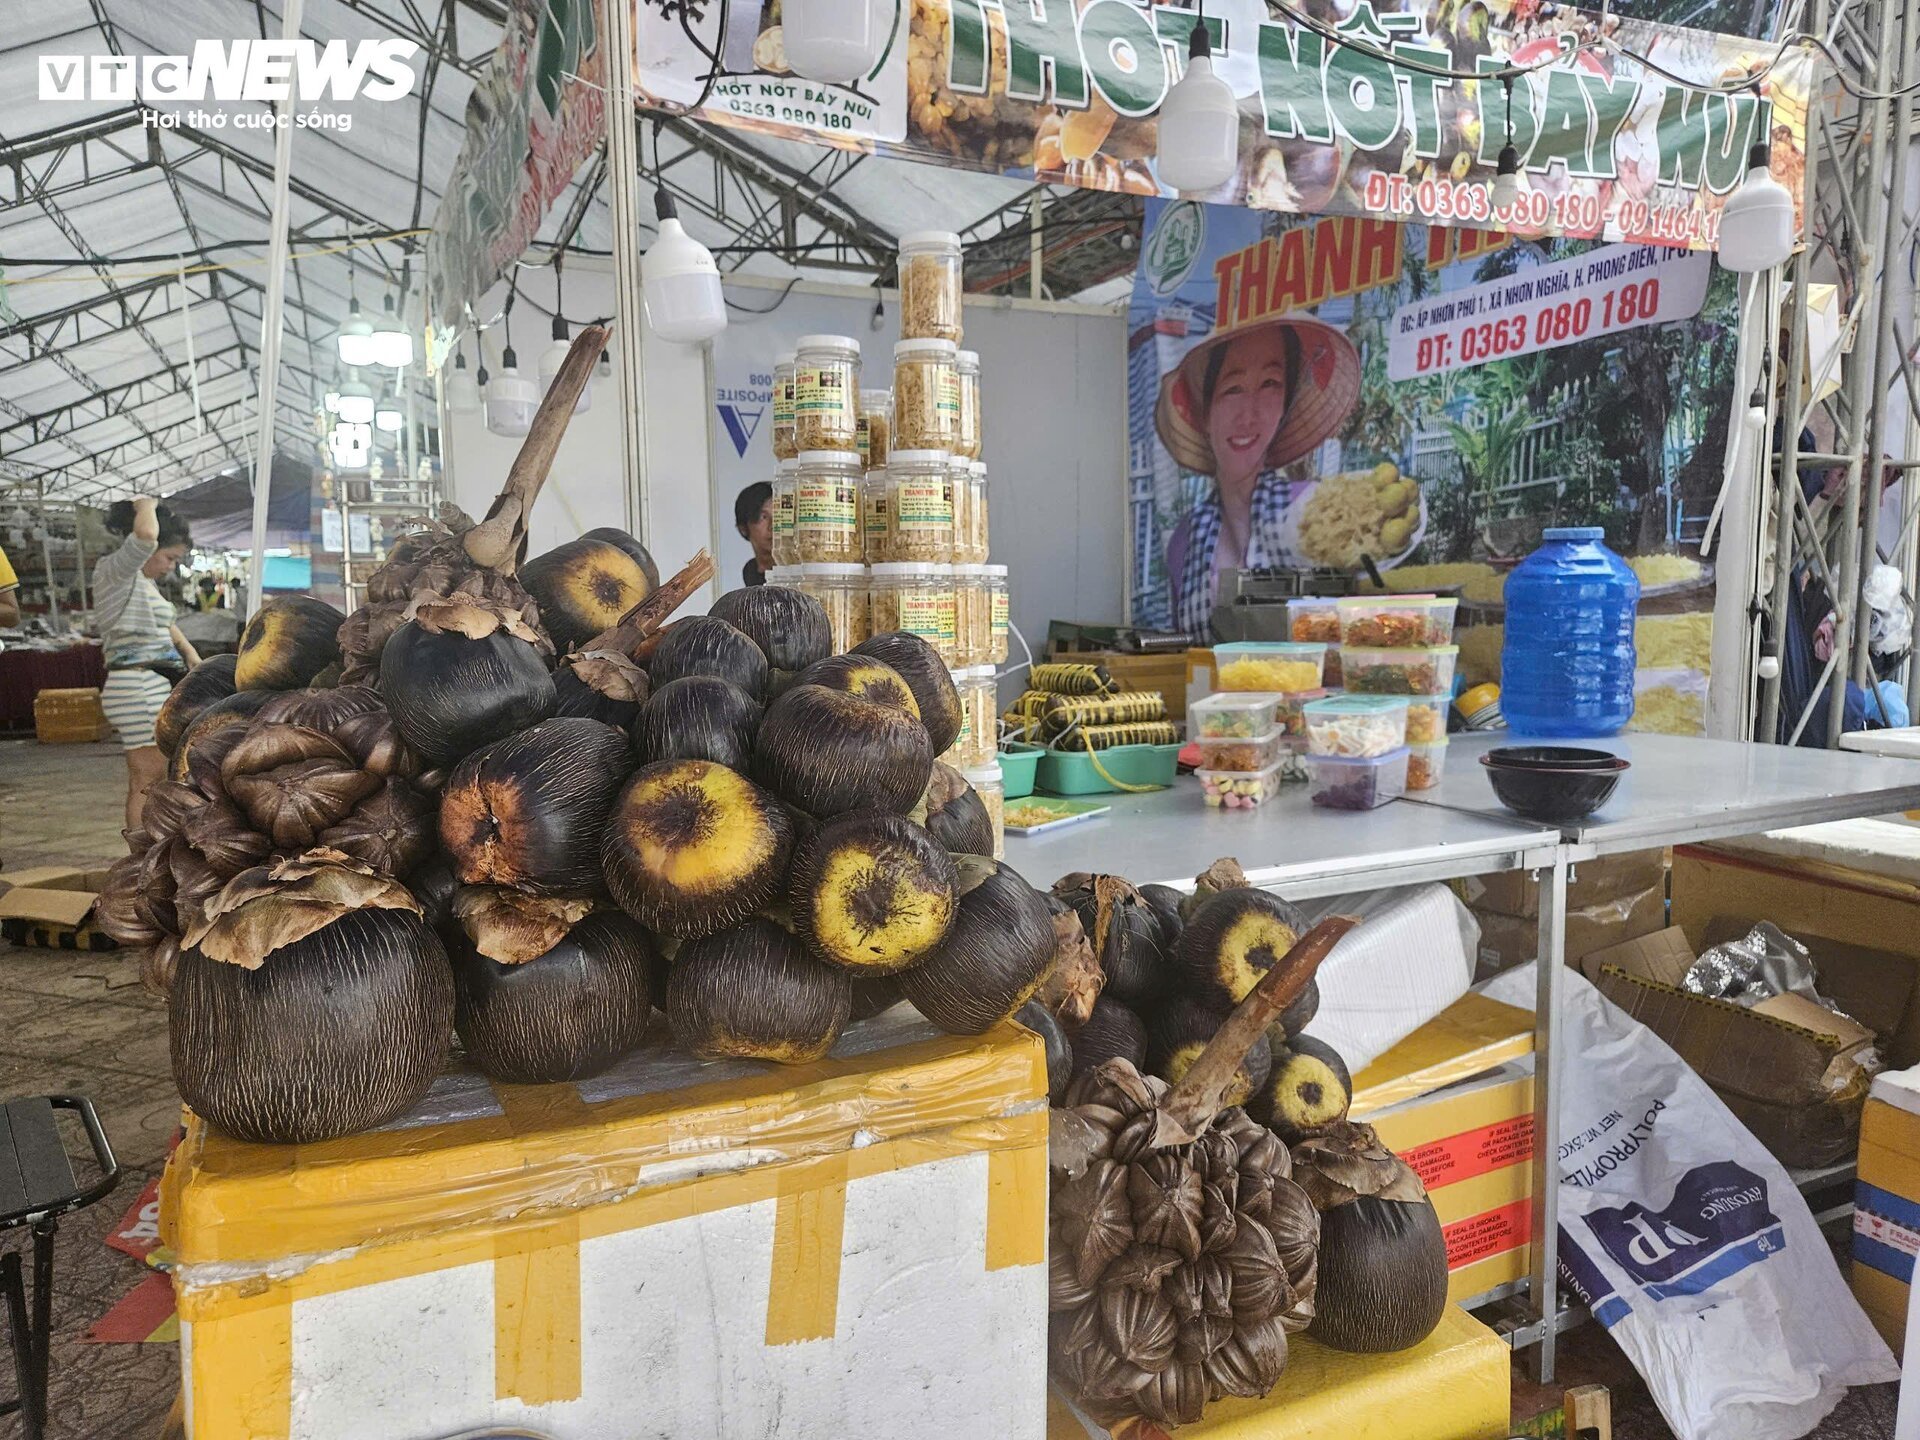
column 272, row 906
column 513, row 926
column 1348, row 1162
column 1073, row 983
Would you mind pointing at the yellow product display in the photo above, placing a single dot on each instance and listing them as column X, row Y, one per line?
column 1270, row 676
column 1663, row 569
column 1062, row 712
column 281, row 1251
column 1063, row 678
column 1454, row 1385
column 1468, row 1038
column 1669, row 702
column 1674, row 642
column 1107, row 737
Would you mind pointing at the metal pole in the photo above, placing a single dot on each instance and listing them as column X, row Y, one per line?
column 623, row 185
column 46, row 559
column 1036, row 249
column 1787, row 491
column 270, row 326
column 1549, row 1063
column 80, row 557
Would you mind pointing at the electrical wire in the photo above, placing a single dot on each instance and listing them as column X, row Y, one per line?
column 335, row 245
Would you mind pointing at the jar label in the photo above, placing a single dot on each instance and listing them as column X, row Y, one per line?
column 949, row 609
column 825, row 505
column 823, row 390
column 924, row 504
column 863, row 442
column 783, row 510
column 876, row 516
column 997, row 613
column 920, row 614
column 783, row 402
column 949, row 392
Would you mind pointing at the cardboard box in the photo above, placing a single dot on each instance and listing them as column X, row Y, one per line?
column 1886, row 1204
column 855, row 1247
column 1470, row 1037
column 51, row 907
column 67, row 717
column 1664, row 955
column 1516, row 892
column 1510, row 940
column 1454, row 1385
column 1862, row 930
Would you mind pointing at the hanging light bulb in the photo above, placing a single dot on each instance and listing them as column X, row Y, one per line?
column 1199, row 124
column 332, row 400
column 388, row 414
column 356, row 403
column 355, row 340
column 1506, row 177
column 833, row 41
column 463, row 395
column 553, row 357
column 605, row 368
column 679, row 283
column 392, row 341
column 350, row 445
column 511, row 398
column 1756, row 226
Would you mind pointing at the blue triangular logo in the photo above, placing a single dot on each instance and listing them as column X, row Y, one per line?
column 740, row 425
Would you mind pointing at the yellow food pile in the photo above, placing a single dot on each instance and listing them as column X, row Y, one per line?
column 1361, row 512
column 1674, row 642
column 1665, row 710
column 1282, row 676
column 1663, row 569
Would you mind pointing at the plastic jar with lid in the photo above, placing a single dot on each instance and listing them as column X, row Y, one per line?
column 920, row 506
column 841, row 590
column 960, row 485
column 783, row 444
column 875, row 505
column 916, row 598
column 990, row 786
column 875, row 428
column 967, row 367
column 997, row 613
column 926, row 395
column 784, row 542
column 826, row 393
column 972, row 607
column 826, row 506
column 930, row 285
column 978, row 740
column 970, row 541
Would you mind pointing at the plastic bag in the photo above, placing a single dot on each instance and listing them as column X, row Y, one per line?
column 1689, row 1242
column 1889, row 618
column 1411, row 959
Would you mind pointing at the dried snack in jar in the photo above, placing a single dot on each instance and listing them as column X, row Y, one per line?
column 875, row 428
column 920, row 507
column 826, row 507
column 1310, row 618
column 1342, row 782
column 1397, row 622
column 1356, row 725
column 1275, row 666
column 784, row 447
column 1232, row 717
column 968, row 441
column 1425, row 763
column 998, row 613
column 930, row 285
column 926, row 395
column 1427, row 719
column 826, row 393
column 1289, row 712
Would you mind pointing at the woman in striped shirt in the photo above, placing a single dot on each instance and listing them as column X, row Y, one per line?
column 145, row 650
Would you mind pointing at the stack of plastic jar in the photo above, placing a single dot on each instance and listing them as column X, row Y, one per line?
column 784, row 542
column 969, row 512
column 997, row 613
column 826, row 507
column 841, row 590
column 968, row 421
column 926, row 395
column 826, row 393
column 784, row 447
column 930, row 285
column 973, row 644
column 979, row 740
column 919, row 599
column 920, row 507
column 876, row 504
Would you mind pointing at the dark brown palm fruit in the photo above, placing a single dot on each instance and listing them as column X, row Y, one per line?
column 563, row 1015
column 289, row 641
column 1309, row 1089
column 873, row 994
column 872, row 892
column 206, row 683
column 1233, row 939
column 530, row 810
column 583, row 587
column 753, row 992
column 460, row 674
column 1383, row 1257
column 210, row 734
column 866, row 677
column 926, row 674
column 789, row 626
column 693, row 848
column 576, row 698
column 708, row 645
column 1180, row 1027
column 956, row 816
column 1164, row 901
column 698, row 717
column 1111, row 1032
column 828, row 753
column 1299, row 1015
column 993, row 958
column 1037, row 1018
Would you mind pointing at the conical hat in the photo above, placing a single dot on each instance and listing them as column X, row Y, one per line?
column 1323, row 394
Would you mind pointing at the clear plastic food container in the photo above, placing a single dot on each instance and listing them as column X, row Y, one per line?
column 876, row 497
column 1242, row 757
column 1313, row 618
column 1427, row 718
column 915, row 598
column 1232, row 717
column 926, row 395
column 826, row 393
column 1275, row 666
column 998, row 613
column 1398, row 672
column 1397, row 622
column 1425, row 763
column 979, row 738
column 784, row 447
column 1356, row 725
column 930, row 285
column 1290, row 712
column 973, row 616
column 990, row 785
column 826, row 507
column 1344, row 782
column 920, row 506
column 1237, row 790
column 875, row 428
column 967, row 365
column 969, row 511
column 842, row 590
column 783, row 542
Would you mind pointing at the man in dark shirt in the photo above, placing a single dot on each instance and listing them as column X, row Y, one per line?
column 753, row 518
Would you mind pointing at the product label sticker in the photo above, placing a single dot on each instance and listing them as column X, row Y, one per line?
column 1506, row 1227
column 1473, row 1152
column 783, row 511
column 920, row 614
column 875, row 507
column 826, row 505
column 998, row 612
column 823, row 390
column 783, row 402
column 924, row 505
column 949, row 391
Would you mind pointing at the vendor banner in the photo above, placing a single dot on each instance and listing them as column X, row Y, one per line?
column 1383, row 108
column 1316, row 396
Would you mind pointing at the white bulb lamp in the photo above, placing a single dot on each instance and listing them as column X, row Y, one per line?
column 833, row 41
column 355, row 340
column 511, row 398
column 463, row 395
column 1199, row 125
column 679, row 283
column 392, row 341
column 1756, row 226
column 553, row 357
column 356, row 403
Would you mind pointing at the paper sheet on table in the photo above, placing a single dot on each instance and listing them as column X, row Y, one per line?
column 1410, row 959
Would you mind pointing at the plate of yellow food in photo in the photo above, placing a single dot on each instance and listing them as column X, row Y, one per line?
column 1377, row 512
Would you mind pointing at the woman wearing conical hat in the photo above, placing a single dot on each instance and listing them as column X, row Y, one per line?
column 1240, row 405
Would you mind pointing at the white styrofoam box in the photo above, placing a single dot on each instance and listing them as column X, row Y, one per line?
column 1410, row 958
column 1887, row 848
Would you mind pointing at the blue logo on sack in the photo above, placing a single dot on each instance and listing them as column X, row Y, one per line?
column 1717, row 1225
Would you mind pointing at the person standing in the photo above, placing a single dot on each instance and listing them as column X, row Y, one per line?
column 753, row 518
column 145, row 652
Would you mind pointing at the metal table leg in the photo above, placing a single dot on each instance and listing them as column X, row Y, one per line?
column 1548, row 1061
column 21, row 1334
column 43, row 1233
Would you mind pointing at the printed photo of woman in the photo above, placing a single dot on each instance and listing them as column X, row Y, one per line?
column 1242, row 404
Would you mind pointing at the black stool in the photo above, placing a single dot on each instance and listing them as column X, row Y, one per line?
column 36, row 1188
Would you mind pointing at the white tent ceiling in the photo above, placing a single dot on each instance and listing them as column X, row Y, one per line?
column 98, row 209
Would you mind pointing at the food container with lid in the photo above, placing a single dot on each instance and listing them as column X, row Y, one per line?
column 988, row 785
column 1314, row 617
column 1290, row 712
column 783, row 542
column 1240, row 790
column 1427, row 718
column 842, row 590
column 1398, row 672
column 920, row 506
column 826, row 393
column 969, row 511
column 875, row 428
column 979, row 737
column 998, row 613
column 1242, row 756
column 1397, row 622
column 1356, row 725
column 917, row 598
column 784, row 447
column 967, row 367
column 926, row 395
column 875, row 503
column 826, row 507
column 973, row 604
column 1425, row 763
column 930, row 285
column 1232, row 717
column 1275, row 666
column 1346, row 782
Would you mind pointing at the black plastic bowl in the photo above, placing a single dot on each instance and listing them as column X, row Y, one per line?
column 1552, row 796
column 1551, row 757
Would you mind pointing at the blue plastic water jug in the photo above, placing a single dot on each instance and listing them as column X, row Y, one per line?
column 1566, row 668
